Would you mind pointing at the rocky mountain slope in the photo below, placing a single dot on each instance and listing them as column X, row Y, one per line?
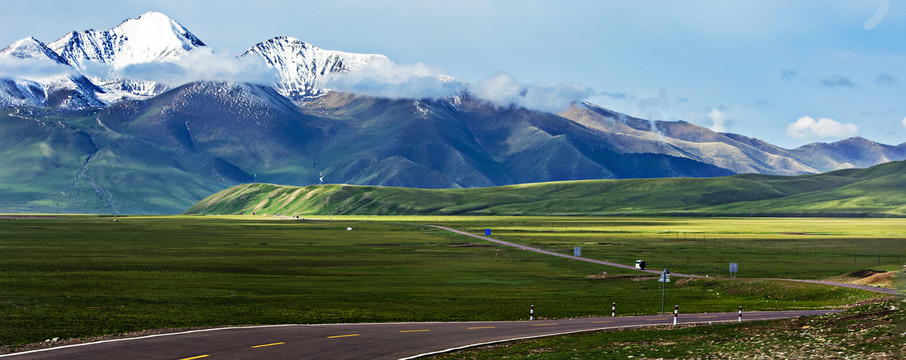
column 302, row 67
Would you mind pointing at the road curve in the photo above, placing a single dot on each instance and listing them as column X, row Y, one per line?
column 361, row 341
column 529, row 248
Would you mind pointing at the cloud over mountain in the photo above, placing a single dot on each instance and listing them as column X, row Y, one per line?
column 719, row 120
column 382, row 77
column 503, row 90
column 200, row 65
column 822, row 128
column 11, row 67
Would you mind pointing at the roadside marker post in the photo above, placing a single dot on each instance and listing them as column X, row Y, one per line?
column 613, row 310
column 531, row 314
column 740, row 313
column 675, row 314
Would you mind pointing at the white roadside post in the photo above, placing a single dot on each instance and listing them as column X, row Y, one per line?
column 613, row 310
column 531, row 314
column 675, row 314
column 740, row 314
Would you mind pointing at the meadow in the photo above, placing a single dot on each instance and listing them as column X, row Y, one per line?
column 79, row 276
column 800, row 248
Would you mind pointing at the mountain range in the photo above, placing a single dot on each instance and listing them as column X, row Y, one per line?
column 78, row 134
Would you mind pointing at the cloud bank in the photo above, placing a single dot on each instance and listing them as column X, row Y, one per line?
column 381, row 77
column 197, row 65
column 13, row 67
column 823, row 128
column 384, row 78
column 503, row 90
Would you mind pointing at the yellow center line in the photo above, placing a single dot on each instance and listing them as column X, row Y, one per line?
column 265, row 345
column 543, row 324
column 195, row 357
column 342, row 336
column 602, row 322
column 408, row 331
column 706, row 317
column 480, row 327
column 660, row 319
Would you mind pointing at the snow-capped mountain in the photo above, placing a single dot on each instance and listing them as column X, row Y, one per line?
column 48, row 79
column 302, row 67
column 102, row 55
column 108, row 61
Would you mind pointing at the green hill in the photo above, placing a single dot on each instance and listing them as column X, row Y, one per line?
column 876, row 191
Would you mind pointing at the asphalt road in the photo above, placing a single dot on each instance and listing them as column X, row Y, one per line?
column 529, row 248
column 360, row 341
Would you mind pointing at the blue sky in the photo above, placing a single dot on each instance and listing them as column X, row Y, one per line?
column 787, row 72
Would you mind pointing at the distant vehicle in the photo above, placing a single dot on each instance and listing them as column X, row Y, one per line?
column 640, row 264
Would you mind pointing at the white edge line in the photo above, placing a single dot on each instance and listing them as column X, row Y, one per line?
column 311, row 325
column 229, row 328
column 520, row 338
column 576, row 332
column 135, row 338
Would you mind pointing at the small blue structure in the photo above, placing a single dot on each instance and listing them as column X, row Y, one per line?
column 487, row 232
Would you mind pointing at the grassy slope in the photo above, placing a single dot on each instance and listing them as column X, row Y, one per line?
column 876, row 190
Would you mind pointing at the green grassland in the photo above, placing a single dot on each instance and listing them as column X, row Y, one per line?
column 800, row 248
column 876, row 191
column 78, row 276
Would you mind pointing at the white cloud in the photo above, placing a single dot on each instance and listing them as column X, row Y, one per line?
column 719, row 120
column 198, row 65
column 500, row 89
column 904, row 122
column 808, row 127
column 503, row 90
column 384, row 78
column 12, row 67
